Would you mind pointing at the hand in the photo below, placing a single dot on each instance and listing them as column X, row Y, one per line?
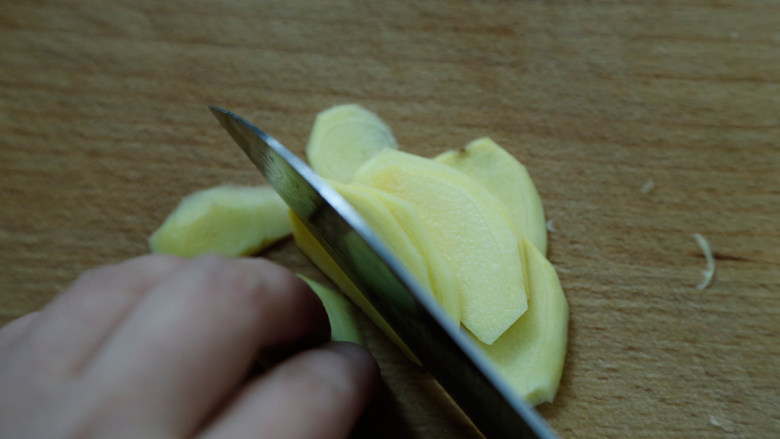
column 159, row 347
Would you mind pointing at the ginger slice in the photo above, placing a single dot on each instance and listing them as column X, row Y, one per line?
column 229, row 220
column 469, row 227
column 396, row 223
column 506, row 178
column 531, row 353
column 341, row 315
column 343, row 138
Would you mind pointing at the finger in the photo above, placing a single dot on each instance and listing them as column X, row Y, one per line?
column 193, row 338
column 318, row 393
column 72, row 327
column 15, row 330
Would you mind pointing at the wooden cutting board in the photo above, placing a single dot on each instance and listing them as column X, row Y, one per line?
column 641, row 123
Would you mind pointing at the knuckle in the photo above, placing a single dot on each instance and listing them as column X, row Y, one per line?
column 222, row 276
column 94, row 277
column 159, row 262
column 137, row 272
column 256, row 294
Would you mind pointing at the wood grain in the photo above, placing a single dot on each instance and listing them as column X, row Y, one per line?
column 104, row 127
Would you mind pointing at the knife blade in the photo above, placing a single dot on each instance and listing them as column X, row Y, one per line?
column 453, row 359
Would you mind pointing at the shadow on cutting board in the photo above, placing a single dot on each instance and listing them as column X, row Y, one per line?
column 409, row 403
column 382, row 418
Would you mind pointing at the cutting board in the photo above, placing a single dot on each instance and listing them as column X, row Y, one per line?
column 641, row 123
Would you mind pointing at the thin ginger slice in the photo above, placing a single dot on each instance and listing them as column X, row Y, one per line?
column 341, row 315
column 506, row 178
column 469, row 227
column 531, row 353
column 229, row 220
column 396, row 223
column 343, row 138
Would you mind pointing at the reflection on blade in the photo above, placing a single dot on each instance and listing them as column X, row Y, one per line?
column 451, row 358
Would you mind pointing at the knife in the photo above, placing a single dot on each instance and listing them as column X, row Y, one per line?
column 453, row 359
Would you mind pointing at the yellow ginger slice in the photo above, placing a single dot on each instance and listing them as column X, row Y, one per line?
column 396, row 223
column 506, row 178
column 314, row 250
column 343, row 326
column 531, row 353
column 343, row 138
column 230, row 220
column 469, row 227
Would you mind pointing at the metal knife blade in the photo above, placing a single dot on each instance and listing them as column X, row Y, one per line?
column 453, row 359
